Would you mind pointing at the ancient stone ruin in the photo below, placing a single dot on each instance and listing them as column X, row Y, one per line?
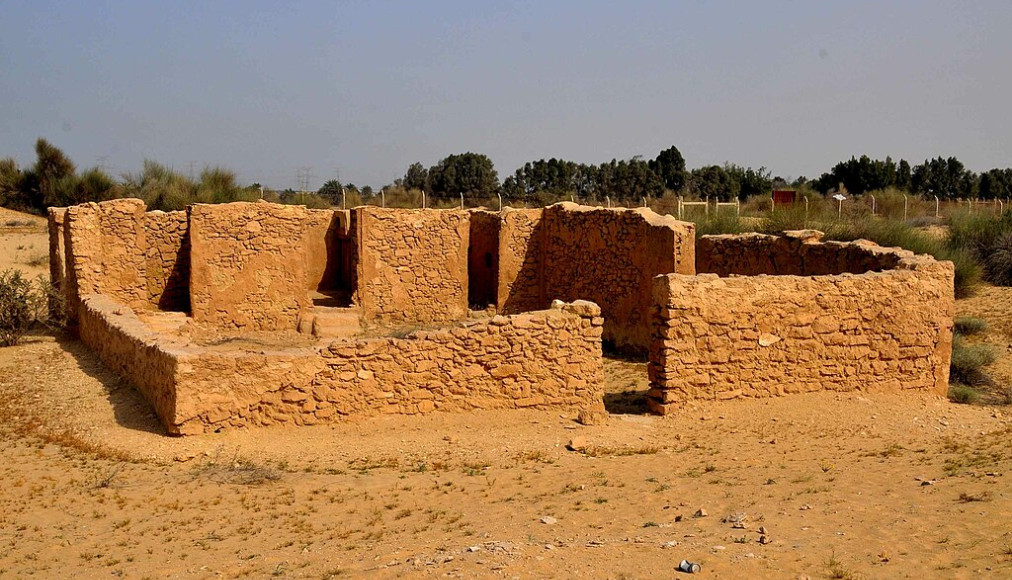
column 256, row 314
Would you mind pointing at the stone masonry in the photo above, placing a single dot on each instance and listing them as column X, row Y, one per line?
column 412, row 264
column 610, row 256
column 757, row 336
column 248, row 265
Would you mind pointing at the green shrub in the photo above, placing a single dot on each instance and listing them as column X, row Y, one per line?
column 719, row 223
column 998, row 261
column 963, row 394
column 967, row 325
column 968, row 361
column 23, row 304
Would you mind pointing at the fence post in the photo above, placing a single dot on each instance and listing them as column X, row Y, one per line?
column 873, row 205
column 806, row 210
column 839, row 210
column 937, row 207
column 500, row 201
column 904, row 207
column 383, row 198
column 773, row 205
column 344, row 199
column 737, row 207
column 423, row 199
column 1001, row 207
column 607, row 199
column 462, row 200
column 572, row 198
column 706, row 208
column 679, row 207
column 644, row 202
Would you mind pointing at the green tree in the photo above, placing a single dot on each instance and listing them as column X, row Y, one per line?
column 745, row 182
column 713, row 181
column 946, row 178
column 670, row 167
column 472, row 174
column 53, row 175
column 415, row 177
column 331, row 190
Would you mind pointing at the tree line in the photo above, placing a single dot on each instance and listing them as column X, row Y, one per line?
column 946, row 178
column 54, row 180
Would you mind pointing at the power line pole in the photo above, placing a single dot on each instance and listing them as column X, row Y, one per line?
column 303, row 175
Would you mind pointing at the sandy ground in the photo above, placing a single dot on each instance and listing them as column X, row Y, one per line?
column 24, row 243
column 855, row 485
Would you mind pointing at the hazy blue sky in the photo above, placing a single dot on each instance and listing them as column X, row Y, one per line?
column 363, row 89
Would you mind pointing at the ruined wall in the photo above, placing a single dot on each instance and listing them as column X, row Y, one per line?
column 610, row 256
column 106, row 252
column 327, row 264
column 411, row 264
column 168, row 259
column 796, row 253
column 519, row 287
column 248, row 265
column 131, row 350
column 483, row 258
column 547, row 359
column 56, row 246
column 720, row 338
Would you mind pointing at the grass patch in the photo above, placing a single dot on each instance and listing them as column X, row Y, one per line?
column 969, row 325
column 968, row 361
column 963, row 394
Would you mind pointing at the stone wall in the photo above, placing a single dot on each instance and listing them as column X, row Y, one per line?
column 57, row 247
column 248, row 265
column 327, row 250
column 797, row 253
column 483, row 258
column 547, row 359
column 720, row 338
column 106, row 252
column 411, row 264
column 168, row 259
column 132, row 350
column 519, row 287
column 610, row 256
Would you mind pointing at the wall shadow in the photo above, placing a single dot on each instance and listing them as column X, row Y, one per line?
column 130, row 409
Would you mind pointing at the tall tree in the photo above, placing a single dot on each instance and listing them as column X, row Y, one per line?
column 471, row 174
column 670, row 167
column 331, row 191
column 415, row 177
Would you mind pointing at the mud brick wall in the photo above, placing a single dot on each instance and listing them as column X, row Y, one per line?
column 610, row 257
column 547, row 359
column 132, row 350
column 519, row 287
column 106, row 252
column 168, row 259
column 483, row 258
column 327, row 265
column 248, row 265
column 411, row 264
column 56, row 246
column 721, row 338
column 797, row 253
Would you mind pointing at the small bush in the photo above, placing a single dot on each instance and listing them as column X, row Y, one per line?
column 998, row 261
column 969, row 325
column 968, row 360
column 719, row 223
column 963, row 394
column 23, row 304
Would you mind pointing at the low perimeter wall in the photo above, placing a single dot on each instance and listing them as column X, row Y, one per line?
column 758, row 336
column 545, row 359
